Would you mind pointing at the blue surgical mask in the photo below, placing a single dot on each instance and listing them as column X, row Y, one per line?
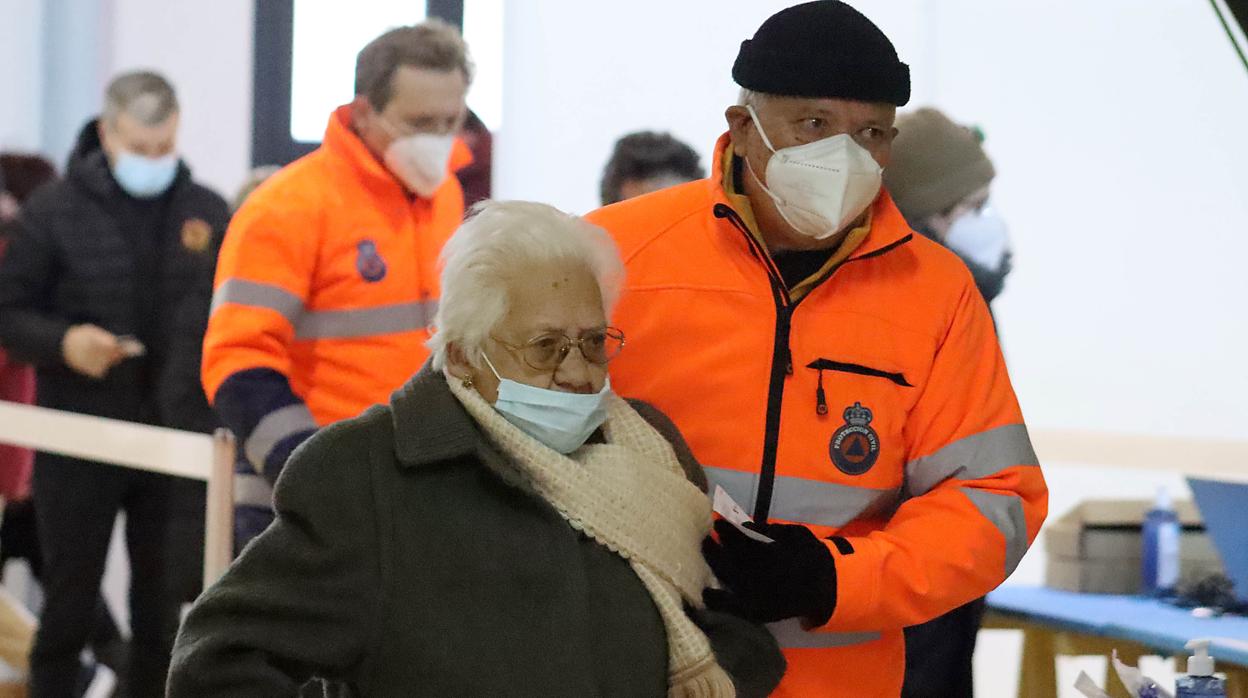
column 143, row 177
column 561, row 420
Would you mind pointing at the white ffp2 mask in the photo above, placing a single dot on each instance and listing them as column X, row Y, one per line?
column 980, row 236
column 420, row 161
column 819, row 187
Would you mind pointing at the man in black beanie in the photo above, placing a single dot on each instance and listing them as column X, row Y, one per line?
column 838, row 375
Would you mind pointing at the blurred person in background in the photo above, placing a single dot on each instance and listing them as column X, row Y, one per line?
column 940, row 178
column 256, row 177
column 646, row 161
column 104, row 288
column 832, row 369
column 476, row 177
column 20, row 175
column 505, row 526
column 327, row 280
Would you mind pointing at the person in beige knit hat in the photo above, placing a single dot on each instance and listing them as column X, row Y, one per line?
column 506, row 526
column 940, row 177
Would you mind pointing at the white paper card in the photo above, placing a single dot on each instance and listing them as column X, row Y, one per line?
column 727, row 507
column 130, row 346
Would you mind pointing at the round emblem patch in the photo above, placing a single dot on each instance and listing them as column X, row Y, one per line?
column 855, row 446
column 368, row 261
column 196, row 235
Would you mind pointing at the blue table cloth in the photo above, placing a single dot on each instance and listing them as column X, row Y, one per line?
column 1148, row 622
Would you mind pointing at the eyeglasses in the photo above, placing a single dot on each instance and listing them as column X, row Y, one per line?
column 546, row 351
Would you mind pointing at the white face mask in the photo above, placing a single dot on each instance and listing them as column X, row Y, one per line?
column 980, row 236
column 819, row 187
column 561, row 420
column 420, row 160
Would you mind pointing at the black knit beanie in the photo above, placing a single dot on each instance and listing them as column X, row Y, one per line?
column 822, row 49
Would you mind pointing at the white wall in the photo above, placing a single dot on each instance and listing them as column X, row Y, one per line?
column 577, row 75
column 1117, row 128
column 205, row 49
column 58, row 55
column 21, row 45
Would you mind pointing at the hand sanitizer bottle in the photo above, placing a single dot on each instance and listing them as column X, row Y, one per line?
column 1160, row 554
column 1200, row 681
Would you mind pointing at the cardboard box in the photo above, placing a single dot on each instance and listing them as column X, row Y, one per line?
column 1095, row 547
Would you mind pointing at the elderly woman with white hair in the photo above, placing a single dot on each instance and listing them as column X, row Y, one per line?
column 507, row 526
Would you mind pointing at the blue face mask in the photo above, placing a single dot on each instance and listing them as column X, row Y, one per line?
column 562, row 421
column 142, row 177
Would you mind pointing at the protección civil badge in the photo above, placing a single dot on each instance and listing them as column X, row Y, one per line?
column 855, row 446
column 368, row 261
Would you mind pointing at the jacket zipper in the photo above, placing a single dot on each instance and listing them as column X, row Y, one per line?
column 781, row 357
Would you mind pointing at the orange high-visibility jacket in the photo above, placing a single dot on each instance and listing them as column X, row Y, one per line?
column 875, row 407
column 325, row 287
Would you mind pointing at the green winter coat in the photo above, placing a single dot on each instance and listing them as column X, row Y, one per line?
column 407, row 561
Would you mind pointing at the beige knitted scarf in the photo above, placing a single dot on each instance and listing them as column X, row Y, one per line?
column 631, row 495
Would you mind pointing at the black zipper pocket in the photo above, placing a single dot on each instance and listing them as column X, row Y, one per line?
column 821, row 365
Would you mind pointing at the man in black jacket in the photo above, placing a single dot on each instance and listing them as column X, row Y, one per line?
column 105, row 288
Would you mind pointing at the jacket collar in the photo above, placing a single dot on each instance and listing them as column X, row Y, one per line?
column 429, row 423
column 888, row 228
column 342, row 143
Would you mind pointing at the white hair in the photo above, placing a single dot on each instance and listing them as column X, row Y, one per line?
column 499, row 240
column 749, row 97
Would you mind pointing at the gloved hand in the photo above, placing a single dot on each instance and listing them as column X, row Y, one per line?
column 766, row 582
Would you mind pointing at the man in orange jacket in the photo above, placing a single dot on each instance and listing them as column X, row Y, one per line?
column 830, row 368
column 327, row 278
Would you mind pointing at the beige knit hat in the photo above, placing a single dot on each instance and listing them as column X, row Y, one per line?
column 935, row 164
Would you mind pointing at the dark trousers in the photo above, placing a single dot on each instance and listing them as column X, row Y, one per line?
column 939, row 654
column 19, row 539
column 78, row 504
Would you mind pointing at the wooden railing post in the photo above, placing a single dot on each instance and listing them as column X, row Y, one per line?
column 219, row 516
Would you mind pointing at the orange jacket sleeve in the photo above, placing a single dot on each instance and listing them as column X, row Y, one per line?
column 263, row 277
column 974, row 496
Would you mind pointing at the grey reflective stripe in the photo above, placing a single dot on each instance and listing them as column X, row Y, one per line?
column 274, row 427
column 326, row 324
column 789, row 634
column 979, row 455
column 1005, row 511
column 252, row 491
column 808, row 501
column 258, row 295
column 386, row 319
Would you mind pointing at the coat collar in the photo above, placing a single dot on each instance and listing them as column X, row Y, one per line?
column 429, row 423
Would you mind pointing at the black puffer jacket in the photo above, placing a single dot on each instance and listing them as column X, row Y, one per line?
column 84, row 251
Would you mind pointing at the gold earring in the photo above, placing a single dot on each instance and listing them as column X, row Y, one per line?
column 466, row 381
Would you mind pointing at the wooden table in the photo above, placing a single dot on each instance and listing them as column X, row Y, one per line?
column 1058, row 623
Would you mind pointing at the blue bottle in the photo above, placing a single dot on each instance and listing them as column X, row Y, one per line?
column 1159, row 558
column 1200, row 681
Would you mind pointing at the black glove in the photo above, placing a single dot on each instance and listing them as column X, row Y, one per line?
column 795, row 576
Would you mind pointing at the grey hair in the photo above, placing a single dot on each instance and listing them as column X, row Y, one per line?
column 498, row 241
column 144, row 95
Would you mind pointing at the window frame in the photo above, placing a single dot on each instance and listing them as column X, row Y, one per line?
column 273, row 51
